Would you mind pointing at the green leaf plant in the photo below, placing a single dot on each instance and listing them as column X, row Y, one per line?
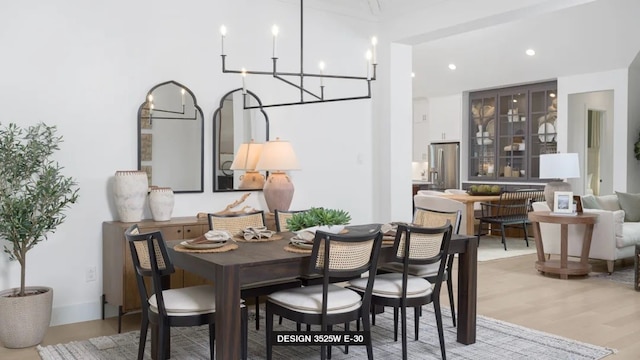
column 317, row 216
column 33, row 192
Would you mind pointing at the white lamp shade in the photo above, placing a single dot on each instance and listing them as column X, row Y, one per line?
column 559, row 166
column 247, row 156
column 278, row 155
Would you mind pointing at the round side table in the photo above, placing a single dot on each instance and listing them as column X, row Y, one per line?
column 563, row 267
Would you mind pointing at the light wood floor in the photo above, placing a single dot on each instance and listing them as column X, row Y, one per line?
column 591, row 310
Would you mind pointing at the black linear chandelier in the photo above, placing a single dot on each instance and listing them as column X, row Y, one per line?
column 299, row 77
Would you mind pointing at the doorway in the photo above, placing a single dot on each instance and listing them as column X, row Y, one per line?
column 595, row 120
column 590, row 133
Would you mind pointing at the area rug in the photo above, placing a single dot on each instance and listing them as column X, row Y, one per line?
column 491, row 248
column 623, row 276
column 495, row 340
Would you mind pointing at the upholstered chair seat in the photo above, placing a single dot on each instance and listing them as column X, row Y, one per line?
column 415, row 270
column 308, row 299
column 390, row 285
column 187, row 301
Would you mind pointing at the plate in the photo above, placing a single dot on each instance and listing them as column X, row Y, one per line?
column 546, row 132
column 209, row 245
column 491, row 128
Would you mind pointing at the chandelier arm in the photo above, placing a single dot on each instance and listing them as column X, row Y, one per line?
column 296, row 86
column 363, row 97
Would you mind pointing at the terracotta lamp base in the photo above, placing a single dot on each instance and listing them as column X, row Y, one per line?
column 251, row 180
column 278, row 191
column 551, row 188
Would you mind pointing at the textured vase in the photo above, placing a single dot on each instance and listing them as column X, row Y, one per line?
column 130, row 192
column 25, row 320
column 161, row 202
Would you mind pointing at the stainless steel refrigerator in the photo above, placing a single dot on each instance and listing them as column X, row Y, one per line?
column 444, row 165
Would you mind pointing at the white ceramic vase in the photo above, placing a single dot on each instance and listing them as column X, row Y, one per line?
column 161, row 202
column 130, row 192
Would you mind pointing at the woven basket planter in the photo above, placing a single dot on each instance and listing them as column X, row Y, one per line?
column 25, row 320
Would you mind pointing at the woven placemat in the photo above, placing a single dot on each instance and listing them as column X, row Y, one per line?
column 293, row 249
column 227, row 247
column 273, row 237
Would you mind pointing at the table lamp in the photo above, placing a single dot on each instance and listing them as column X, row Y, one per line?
column 246, row 159
column 277, row 157
column 558, row 166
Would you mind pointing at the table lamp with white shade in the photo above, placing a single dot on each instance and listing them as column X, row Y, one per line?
column 246, row 159
column 558, row 166
column 277, row 157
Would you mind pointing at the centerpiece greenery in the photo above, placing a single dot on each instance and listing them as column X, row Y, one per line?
column 33, row 192
column 317, row 216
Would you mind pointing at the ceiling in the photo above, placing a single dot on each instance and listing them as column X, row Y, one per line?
column 579, row 36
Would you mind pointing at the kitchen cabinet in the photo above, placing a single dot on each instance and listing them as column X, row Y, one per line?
column 509, row 129
column 445, row 114
column 119, row 281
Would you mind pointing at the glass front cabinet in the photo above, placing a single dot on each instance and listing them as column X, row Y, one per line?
column 509, row 129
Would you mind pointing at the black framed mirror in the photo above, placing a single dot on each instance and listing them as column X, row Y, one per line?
column 171, row 138
column 235, row 127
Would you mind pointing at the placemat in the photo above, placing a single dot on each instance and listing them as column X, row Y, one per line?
column 293, row 249
column 273, row 237
column 227, row 247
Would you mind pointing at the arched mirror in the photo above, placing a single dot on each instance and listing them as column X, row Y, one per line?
column 171, row 138
column 238, row 135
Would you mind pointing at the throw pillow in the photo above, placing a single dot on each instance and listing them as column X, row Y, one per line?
column 590, row 202
column 630, row 203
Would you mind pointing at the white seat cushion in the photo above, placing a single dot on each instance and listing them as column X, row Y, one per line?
column 416, row 270
column 390, row 285
column 308, row 299
column 187, row 301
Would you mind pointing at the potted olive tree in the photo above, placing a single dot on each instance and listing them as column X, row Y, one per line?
column 33, row 197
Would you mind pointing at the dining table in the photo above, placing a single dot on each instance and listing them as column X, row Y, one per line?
column 469, row 200
column 253, row 262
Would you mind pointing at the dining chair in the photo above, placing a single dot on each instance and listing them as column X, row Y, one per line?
column 413, row 245
column 431, row 218
column 327, row 304
column 166, row 308
column 281, row 218
column 235, row 224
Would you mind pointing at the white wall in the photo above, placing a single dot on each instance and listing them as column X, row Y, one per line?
column 86, row 67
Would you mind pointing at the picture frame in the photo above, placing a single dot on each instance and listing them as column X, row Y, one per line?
column 563, row 202
column 577, row 200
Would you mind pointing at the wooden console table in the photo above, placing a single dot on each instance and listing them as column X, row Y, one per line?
column 564, row 267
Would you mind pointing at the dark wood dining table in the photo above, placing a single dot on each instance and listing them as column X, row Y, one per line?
column 262, row 261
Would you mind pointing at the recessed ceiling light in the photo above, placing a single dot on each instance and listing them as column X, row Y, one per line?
column 530, row 52
column 413, row 74
column 452, row 66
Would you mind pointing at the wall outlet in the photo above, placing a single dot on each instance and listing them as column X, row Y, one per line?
column 91, row 274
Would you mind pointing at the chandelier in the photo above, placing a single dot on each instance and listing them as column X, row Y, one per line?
column 297, row 79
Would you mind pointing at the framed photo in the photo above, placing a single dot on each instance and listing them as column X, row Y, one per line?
column 577, row 199
column 563, row 202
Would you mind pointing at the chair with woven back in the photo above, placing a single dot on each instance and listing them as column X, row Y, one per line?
column 413, row 245
column 431, row 218
column 235, row 224
column 164, row 308
column 282, row 216
column 347, row 255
